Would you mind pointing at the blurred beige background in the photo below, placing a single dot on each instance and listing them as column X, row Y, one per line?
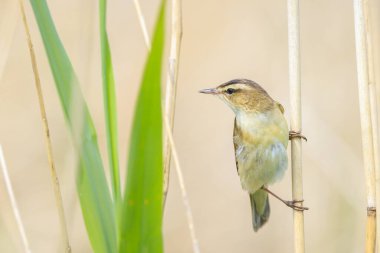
column 222, row 40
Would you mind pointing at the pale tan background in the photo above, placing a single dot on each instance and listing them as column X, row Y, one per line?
column 222, row 40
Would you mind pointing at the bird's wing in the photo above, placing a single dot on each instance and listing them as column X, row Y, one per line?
column 236, row 145
column 280, row 107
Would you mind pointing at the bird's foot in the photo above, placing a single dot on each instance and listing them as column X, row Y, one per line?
column 294, row 134
column 293, row 204
column 290, row 203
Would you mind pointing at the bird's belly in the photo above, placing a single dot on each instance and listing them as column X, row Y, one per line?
column 261, row 164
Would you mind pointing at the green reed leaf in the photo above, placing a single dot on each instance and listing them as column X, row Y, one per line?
column 94, row 196
column 109, row 103
column 142, row 207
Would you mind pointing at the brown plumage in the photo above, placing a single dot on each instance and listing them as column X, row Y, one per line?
column 260, row 140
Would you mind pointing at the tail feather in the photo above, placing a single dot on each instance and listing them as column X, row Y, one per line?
column 260, row 208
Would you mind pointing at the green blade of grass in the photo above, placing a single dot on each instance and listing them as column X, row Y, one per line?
column 94, row 196
column 142, row 207
column 109, row 103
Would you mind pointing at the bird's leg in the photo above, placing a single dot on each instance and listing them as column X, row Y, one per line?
column 289, row 203
column 294, row 134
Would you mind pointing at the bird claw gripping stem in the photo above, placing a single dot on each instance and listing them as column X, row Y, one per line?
column 293, row 204
column 290, row 203
column 294, row 134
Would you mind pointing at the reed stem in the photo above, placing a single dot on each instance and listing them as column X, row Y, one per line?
column 185, row 198
column 53, row 172
column 295, row 120
column 142, row 24
column 12, row 198
column 8, row 25
column 172, row 76
column 362, row 65
column 171, row 85
column 374, row 114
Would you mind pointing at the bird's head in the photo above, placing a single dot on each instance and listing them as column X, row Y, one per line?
column 242, row 95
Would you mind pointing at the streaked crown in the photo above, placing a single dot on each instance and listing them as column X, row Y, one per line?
column 243, row 94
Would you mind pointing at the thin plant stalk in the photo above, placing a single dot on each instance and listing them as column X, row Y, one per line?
column 16, row 212
column 181, row 180
column 171, row 85
column 366, row 122
column 295, row 120
column 373, row 107
column 142, row 24
column 92, row 186
column 8, row 25
column 53, row 172
column 172, row 76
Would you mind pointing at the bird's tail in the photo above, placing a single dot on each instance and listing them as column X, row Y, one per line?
column 260, row 208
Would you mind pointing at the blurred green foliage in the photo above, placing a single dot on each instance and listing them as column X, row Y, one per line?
column 138, row 225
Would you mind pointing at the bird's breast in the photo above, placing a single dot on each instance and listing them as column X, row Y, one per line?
column 262, row 128
column 260, row 149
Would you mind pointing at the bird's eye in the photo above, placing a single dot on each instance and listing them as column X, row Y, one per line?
column 230, row 91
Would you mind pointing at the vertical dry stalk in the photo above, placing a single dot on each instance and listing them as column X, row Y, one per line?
column 12, row 198
column 374, row 115
column 366, row 122
column 171, row 85
column 142, row 23
column 172, row 76
column 295, row 120
column 181, row 180
column 8, row 24
column 168, row 119
column 54, row 176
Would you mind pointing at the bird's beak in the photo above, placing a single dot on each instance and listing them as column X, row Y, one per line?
column 212, row 91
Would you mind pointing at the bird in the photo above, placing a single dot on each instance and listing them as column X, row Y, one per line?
column 260, row 139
